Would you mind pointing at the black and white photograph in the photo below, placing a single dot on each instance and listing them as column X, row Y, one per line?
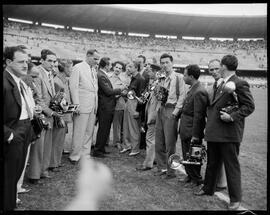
column 135, row 107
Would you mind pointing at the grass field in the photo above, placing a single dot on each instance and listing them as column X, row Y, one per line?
column 134, row 190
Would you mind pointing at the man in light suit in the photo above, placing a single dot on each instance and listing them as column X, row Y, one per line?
column 224, row 131
column 83, row 90
column 193, row 119
column 106, row 106
column 150, row 118
column 42, row 149
column 18, row 106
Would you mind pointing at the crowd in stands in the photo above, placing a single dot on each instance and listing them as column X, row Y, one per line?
column 65, row 42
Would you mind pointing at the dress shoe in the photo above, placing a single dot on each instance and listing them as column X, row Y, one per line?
column 218, row 189
column 98, row 155
column 133, row 153
column 23, row 190
column 201, row 192
column 18, row 201
column 234, row 205
column 160, row 172
column 45, row 176
column 73, row 161
column 170, row 176
column 185, row 180
column 34, row 181
column 125, row 150
column 143, row 168
column 54, row 169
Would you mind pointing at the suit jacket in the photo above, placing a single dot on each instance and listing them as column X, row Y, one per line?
column 220, row 131
column 151, row 109
column 106, row 93
column 12, row 105
column 84, row 88
column 193, row 116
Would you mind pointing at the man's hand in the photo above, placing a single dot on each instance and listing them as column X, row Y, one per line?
column 94, row 182
column 77, row 111
column 124, row 92
column 56, row 114
column 225, row 117
column 194, row 139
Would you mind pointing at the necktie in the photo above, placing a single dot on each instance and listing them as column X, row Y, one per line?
column 24, row 94
column 50, row 82
column 215, row 89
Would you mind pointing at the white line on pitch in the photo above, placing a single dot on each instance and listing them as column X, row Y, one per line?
column 220, row 195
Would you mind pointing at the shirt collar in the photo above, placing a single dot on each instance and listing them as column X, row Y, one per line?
column 227, row 78
column 219, row 81
column 104, row 72
column 16, row 79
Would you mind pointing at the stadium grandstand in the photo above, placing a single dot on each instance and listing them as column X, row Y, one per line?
column 102, row 27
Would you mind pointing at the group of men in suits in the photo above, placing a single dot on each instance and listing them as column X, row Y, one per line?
column 200, row 112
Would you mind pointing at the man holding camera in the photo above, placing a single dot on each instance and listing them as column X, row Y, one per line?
column 167, row 117
column 193, row 120
column 224, row 131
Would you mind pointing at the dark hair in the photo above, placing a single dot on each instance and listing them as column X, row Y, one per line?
column 143, row 57
column 10, row 50
column 45, row 53
column 137, row 65
column 91, row 51
column 230, row 61
column 121, row 63
column 63, row 63
column 105, row 61
column 165, row 55
column 213, row 60
column 194, row 70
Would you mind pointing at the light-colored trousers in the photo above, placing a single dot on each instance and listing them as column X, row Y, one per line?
column 68, row 139
column 83, row 129
column 165, row 137
column 20, row 182
column 36, row 157
column 222, row 182
column 58, row 140
column 117, row 126
column 47, row 151
column 131, row 128
column 150, row 146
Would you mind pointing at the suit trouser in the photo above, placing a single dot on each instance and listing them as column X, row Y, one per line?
column 47, row 151
column 36, row 157
column 193, row 171
column 131, row 131
column 227, row 152
column 58, row 140
column 166, row 137
column 68, row 138
column 83, row 128
column 150, row 146
column 222, row 182
column 118, row 126
column 105, row 119
column 20, row 182
column 14, row 160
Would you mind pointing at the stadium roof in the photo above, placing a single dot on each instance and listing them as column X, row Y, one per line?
column 129, row 20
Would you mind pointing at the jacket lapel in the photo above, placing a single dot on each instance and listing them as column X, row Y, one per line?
column 45, row 79
column 15, row 90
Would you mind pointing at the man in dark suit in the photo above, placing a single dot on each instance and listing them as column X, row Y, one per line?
column 18, row 111
column 224, row 131
column 106, row 106
column 192, row 122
